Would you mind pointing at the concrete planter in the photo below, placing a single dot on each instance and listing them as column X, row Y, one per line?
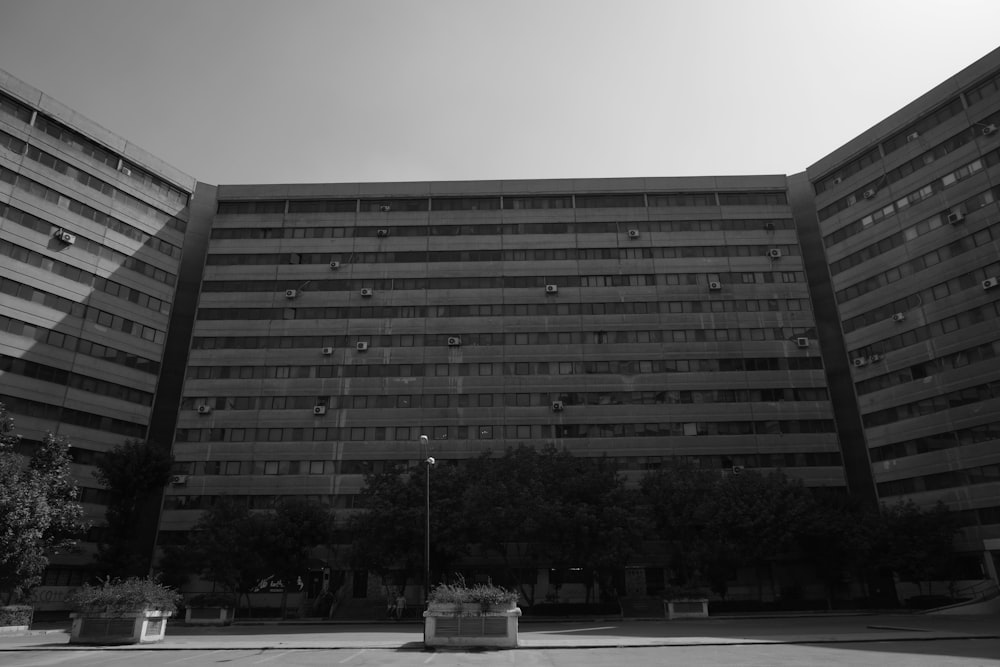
column 209, row 615
column 689, row 608
column 471, row 628
column 108, row 628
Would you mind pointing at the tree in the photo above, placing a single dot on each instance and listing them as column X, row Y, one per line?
column 39, row 509
column 549, row 508
column 915, row 543
column 836, row 539
column 289, row 537
column 388, row 536
column 228, row 544
column 133, row 474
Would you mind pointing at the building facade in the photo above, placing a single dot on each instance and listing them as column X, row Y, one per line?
column 840, row 324
column 92, row 231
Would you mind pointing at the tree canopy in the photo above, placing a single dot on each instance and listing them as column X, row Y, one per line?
column 40, row 513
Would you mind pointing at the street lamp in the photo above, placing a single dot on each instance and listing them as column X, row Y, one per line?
column 429, row 460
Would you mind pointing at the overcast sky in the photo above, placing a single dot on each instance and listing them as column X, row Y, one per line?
column 255, row 91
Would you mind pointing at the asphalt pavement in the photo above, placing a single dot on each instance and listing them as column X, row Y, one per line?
column 553, row 634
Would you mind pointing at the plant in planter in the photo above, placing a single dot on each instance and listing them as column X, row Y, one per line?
column 210, row 609
column 121, row 611
column 15, row 617
column 494, row 598
column 448, row 597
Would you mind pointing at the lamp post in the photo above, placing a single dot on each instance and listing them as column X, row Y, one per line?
column 429, row 460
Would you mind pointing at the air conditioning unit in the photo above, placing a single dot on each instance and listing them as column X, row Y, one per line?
column 327, row 351
column 990, row 283
column 291, row 293
column 367, row 291
column 125, row 170
column 551, row 289
column 319, row 409
column 557, row 406
column 179, row 480
column 454, row 341
column 385, row 208
column 869, row 193
column 872, row 358
column 898, row 317
column 774, row 253
column 714, row 285
column 769, row 226
column 362, row 347
column 989, row 129
column 912, row 136
column 204, row 409
column 382, row 233
column 956, row 217
column 838, row 180
column 633, row 233
column 334, row 265
column 67, row 238
column 802, row 341
column 736, row 470
column 860, row 361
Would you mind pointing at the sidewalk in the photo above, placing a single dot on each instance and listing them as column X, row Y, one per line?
column 813, row 629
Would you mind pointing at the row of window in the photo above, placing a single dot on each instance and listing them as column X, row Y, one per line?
column 633, row 367
column 929, row 406
column 78, row 345
column 938, row 442
column 464, row 400
column 968, row 318
column 57, row 198
column 508, row 282
column 354, row 467
column 920, row 194
column 932, row 367
column 496, row 203
column 929, row 259
column 772, row 251
column 63, row 415
column 497, row 338
column 92, row 150
column 94, row 183
column 506, row 310
column 943, row 480
column 84, row 244
column 909, row 167
column 102, row 317
column 408, row 434
column 915, row 231
column 506, row 229
column 970, row 280
column 66, row 378
column 78, row 275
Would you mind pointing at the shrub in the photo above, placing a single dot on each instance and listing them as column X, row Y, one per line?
column 132, row 594
column 449, row 594
column 16, row 614
column 487, row 594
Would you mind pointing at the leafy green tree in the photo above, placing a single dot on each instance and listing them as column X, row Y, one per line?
column 835, row 538
column 39, row 509
column 915, row 543
column 229, row 543
column 290, row 535
column 549, row 508
column 675, row 499
column 134, row 475
column 388, row 536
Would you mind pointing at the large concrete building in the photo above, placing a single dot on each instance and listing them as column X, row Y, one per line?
column 839, row 324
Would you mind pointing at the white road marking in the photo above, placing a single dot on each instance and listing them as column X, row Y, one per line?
column 352, row 657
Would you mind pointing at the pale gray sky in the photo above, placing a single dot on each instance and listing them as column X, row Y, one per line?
column 257, row 91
